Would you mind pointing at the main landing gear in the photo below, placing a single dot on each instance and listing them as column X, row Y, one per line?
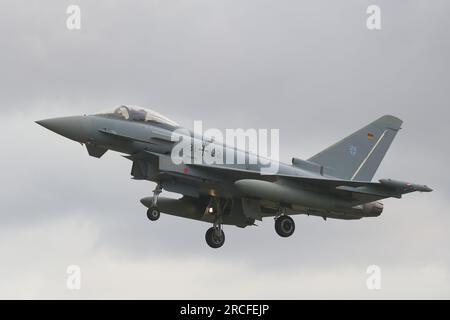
column 215, row 237
column 153, row 213
column 284, row 226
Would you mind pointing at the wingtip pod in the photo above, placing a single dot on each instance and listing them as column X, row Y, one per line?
column 405, row 185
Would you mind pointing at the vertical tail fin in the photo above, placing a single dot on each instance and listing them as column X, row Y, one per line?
column 358, row 156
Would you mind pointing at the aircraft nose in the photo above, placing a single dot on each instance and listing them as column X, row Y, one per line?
column 75, row 128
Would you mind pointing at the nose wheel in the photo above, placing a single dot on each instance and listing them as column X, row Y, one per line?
column 284, row 226
column 153, row 213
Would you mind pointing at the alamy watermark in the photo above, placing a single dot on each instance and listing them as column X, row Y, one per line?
column 373, row 282
column 73, row 21
column 254, row 148
column 373, row 21
column 73, row 281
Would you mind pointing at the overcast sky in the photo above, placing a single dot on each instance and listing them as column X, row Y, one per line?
column 310, row 68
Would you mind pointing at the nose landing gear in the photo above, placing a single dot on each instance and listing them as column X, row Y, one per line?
column 153, row 213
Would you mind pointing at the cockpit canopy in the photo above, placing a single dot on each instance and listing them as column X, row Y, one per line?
column 135, row 113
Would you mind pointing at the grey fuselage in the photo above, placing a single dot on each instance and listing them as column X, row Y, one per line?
column 244, row 187
column 149, row 146
column 156, row 138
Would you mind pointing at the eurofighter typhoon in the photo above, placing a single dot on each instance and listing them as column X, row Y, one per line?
column 335, row 183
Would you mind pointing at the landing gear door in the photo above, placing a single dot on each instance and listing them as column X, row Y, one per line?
column 252, row 208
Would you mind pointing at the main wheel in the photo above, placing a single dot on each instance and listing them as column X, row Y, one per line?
column 153, row 213
column 214, row 238
column 284, row 226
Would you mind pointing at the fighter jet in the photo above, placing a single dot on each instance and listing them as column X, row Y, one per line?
column 334, row 183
